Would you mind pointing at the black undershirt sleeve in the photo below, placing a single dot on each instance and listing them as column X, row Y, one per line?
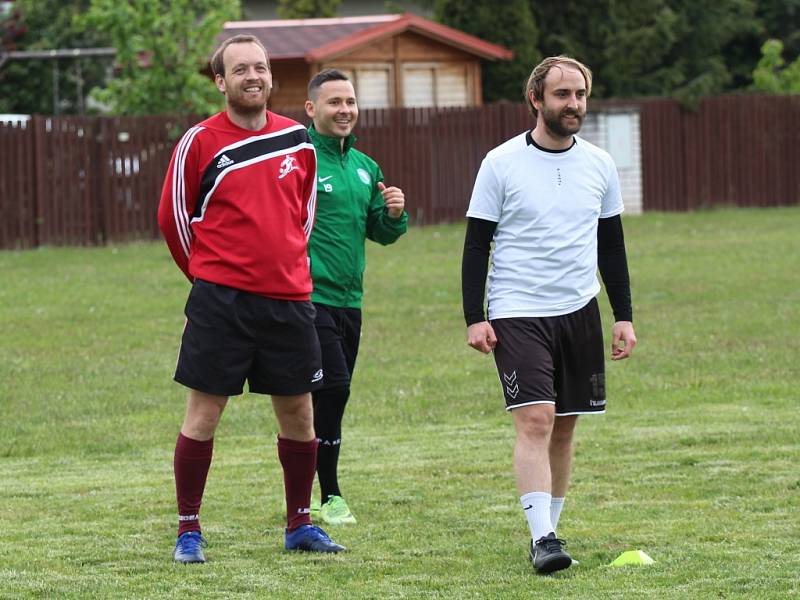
column 475, row 267
column 613, row 264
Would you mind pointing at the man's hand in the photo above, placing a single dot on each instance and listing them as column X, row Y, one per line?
column 394, row 199
column 623, row 339
column 481, row 337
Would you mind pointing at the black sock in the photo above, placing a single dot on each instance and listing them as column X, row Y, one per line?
column 328, row 412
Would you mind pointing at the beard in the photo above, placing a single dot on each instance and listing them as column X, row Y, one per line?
column 554, row 124
column 248, row 107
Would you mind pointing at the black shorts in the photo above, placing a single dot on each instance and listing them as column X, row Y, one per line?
column 553, row 360
column 232, row 336
column 339, row 331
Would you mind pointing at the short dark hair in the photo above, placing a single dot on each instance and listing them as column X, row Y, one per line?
column 324, row 76
column 217, row 63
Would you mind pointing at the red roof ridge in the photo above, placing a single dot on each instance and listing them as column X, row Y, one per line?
column 361, row 31
column 311, row 22
column 443, row 33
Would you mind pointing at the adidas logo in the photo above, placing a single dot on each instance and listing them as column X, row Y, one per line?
column 224, row 161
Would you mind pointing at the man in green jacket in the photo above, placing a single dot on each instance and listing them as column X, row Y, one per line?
column 353, row 204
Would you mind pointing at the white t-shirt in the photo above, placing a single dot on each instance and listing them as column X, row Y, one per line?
column 546, row 206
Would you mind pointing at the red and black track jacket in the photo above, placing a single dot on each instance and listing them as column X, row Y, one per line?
column 237, row 206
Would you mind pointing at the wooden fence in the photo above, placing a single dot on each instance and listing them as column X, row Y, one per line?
column 85, row 181
column 733, row 150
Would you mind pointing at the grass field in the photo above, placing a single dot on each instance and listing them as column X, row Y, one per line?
column 696, row 462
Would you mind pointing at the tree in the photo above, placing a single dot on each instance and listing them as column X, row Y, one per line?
column 162, row 47
column 769, row 76
column 307, row 9
column 781, row 19
column 648, row 47
column 511, row 26
column 774, row 19
column 27, row 86
column 703, row 32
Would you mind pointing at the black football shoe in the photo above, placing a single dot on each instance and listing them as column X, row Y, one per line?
column 548, row 555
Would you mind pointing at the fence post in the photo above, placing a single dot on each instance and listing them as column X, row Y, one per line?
column 98, row 176
column 38, row 123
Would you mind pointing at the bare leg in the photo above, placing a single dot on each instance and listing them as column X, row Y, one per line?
column 295, row 415
column 561, row 454
column 203, row 412
column 534, row 425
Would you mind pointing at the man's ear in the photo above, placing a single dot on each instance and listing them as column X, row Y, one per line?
column 309, row 106
column 219, row 81
column 536, row 103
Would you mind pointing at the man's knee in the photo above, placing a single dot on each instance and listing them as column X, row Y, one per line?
column 203, row 412
column 295, row 416
column 534, row 422
column 563, row 430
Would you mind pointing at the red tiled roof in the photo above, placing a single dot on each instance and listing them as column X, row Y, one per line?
column 317, row 40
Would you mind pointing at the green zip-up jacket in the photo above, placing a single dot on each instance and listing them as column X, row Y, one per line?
column 350, row 209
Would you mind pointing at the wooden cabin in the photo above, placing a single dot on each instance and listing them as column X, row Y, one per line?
column 401, row 60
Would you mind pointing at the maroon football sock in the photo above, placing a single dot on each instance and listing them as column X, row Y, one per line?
column 299, row 461
column 192, row 461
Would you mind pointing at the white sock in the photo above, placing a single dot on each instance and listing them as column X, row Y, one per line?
column 537, row 510
column 556, row 504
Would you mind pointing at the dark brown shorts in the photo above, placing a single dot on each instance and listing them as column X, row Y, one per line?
column 553, row 360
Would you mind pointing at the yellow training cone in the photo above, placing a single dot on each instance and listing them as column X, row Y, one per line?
column 632, row 557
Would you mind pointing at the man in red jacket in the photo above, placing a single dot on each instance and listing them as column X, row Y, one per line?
column 236, row 211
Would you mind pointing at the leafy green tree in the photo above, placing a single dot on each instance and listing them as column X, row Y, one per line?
column 511, row 26
column 307, row 9
column 162, row 47
column 781, row 20
column 27, row 85
column 648, row 47
column 774, row 19
column 703, row 32
column 770, row 74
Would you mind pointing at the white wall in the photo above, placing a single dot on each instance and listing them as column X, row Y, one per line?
column 618, row 133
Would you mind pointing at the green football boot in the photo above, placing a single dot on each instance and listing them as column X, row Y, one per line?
column 336, row 512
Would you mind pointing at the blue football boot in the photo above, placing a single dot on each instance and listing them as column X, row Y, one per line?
column 189, row 548
column 311, row 539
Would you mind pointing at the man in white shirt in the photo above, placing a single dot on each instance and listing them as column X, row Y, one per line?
column 551, row 203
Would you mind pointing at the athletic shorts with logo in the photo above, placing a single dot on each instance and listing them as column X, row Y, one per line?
column 553, row 360
column 339, row 331
column 232, row 336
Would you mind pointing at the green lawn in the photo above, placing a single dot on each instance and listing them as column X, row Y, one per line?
column 696, row 462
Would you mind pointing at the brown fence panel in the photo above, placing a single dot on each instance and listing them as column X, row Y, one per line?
column 738, row 150
column 17, row 186
column 456, row 163
column 134, row 156
column 761, row 165
column 64, row 153
column 663, row 164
